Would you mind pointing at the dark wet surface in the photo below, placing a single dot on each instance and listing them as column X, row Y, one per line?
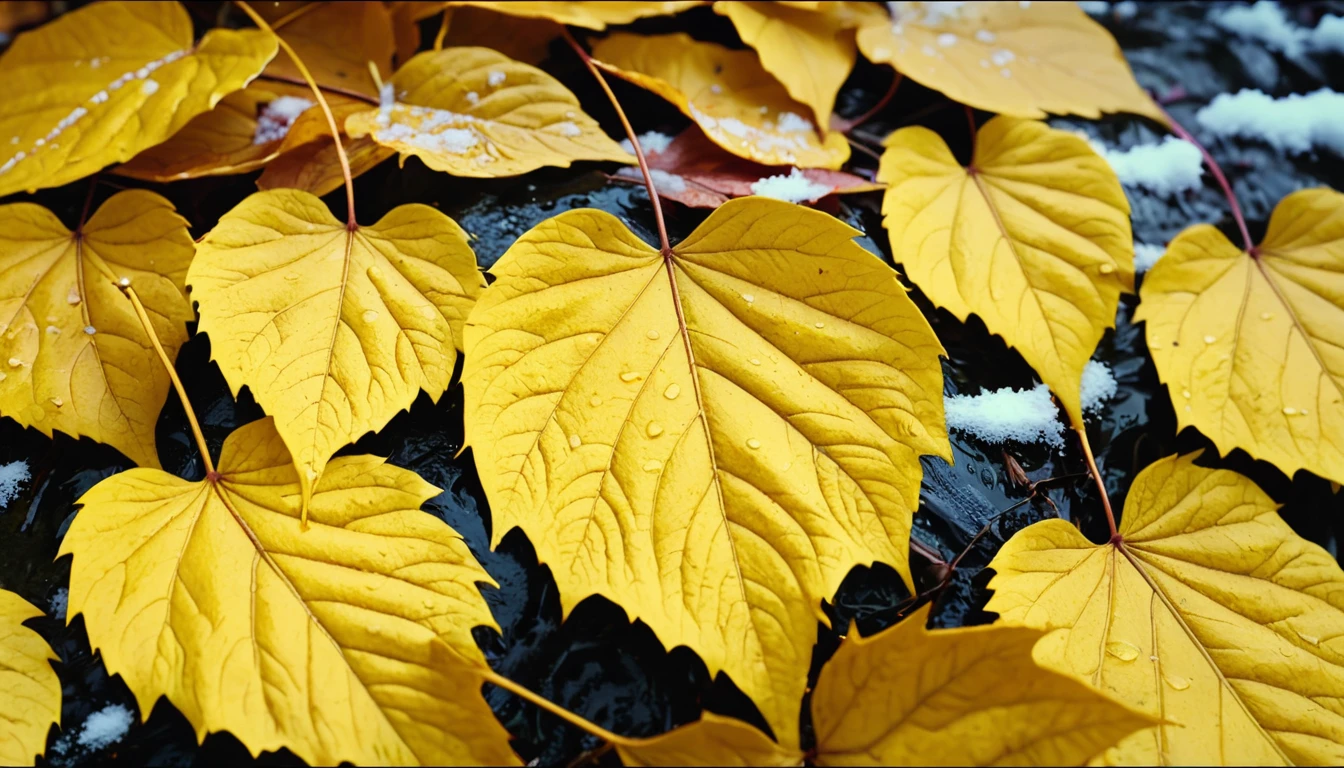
column 598, row 663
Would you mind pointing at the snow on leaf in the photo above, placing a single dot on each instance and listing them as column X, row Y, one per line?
column 1033, row 237
column 738, row 105
column 76, row 99
column 520, row 119
column 711, row 441
column 1249, row 345
column 30, row 693
column 590, row 15
column 307, row 156
column 347, row 638
column 73, row 355
column 911, row 696
column 1018, row 59
column 1209, row 613
column 333, row 331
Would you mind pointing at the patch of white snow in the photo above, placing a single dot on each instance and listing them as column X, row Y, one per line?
column 1328, row 34
column 1146, row 255
column 1098, row 385
column 277, row 117
column 794, row 187
column 653, row 143
column 58, row 603
column 1127, row 9
column 106, row 727
column 667, row 183
column 1095, row 7
column 792, row 123
column 1020, row 415
column 496, row 79
column 11, row 475
column 1263, row 21
column 1294, row 123
column 1172, row 166
column 149, row 87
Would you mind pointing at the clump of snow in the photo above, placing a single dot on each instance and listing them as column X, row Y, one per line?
column 1328, row 34
column 277, row 117
column 1020, row 415
column 1172, row 166
column 427, row 134
column 1146, row 255
column 1295, row 123
column 149, row 87
column 11, row 475
column 1263, row 21
column 794, row 187
column 106, row 727
column 1095, row 7
column 496, row 79
column 667, row 183
column 58, row 603
column 1127, row 9
column 387, row 99
column 569, row 129
column 789, row 122
column 653, row 143
column 793, row 133
column 1098, row 385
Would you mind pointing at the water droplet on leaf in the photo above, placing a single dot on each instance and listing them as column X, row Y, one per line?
column 753, row 443
column 652, row 334
column 575, row 441
column 653, row 465
column 629, row 376
column 672, row 391
column 1122, row 650
column 1177, row 682
column 655, row 429
column 370, row 316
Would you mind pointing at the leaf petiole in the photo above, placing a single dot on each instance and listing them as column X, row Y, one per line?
column 1096, row 477
column 527, row 694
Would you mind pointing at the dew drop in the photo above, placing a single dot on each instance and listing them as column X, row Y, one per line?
column 1185, row 393
column 1210, row 339
column 1288, row 411
column 672, row 391
column 595, row 401
column 1187, row 409
column 653, row 465
column 1266, row 315
column 1122, row 650
column 370, row 316
column 1309, row 639
column 1106, row 269
column 753, row 443
column 1152, row 658
column 1177, row 682
column 53, row 330
column 755, row 361
column 3, row 376
column 749, row 298
column 291, row 276
column 15, row 362
column 652, row 334
column 575, row 441
column 89, row 329
column 58, row 402
column 629, row 376
column 820, row 324
column 427, row 603
column 72, row 298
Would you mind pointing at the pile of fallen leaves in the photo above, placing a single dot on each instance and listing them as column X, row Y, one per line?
column 710, row 434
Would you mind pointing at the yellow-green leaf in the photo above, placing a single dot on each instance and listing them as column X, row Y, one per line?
column 1210, row 614
column 910, row 696
column 331, row 638
column 1250, row 345
column 810, row 53
column 99, row 84
column 1019, row 59
column 223, row 141
column 73, row 354
column 336, row 41
column 30, row 693
column 334, row 331
column 591, row 15
column 476, row 112
column 1033, row 237
column 713, row 440
column 728, row 94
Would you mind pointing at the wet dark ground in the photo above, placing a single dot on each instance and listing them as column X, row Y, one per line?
column 597, row 663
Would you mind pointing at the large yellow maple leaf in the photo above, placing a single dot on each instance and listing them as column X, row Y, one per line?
column 476, row 112
column 910, row 696
column 1033, row 237
column 73, row 354
column 1016, row 58
column 1206, row 611
column 30, row 693
column 711, row 438
column 1249, row 344
column 99, row 84
column 347, row 638
column 733, row 99
column 334, row 329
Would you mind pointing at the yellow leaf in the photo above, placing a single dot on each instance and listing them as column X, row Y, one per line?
column 1033, row 237
column 590, row 15
column 910, row 696
column 728, row 94
column 1249, row 346
column 810, row 53
column 308, row 158
column 98, row 85
column 30, row 693
column 330, row 638
column 73, row 354
column 219, row 142
column 711, row 441
column 1019, row 59
column 334, row 331
column 336, row 41
column 1210, row 614
column 475, row 112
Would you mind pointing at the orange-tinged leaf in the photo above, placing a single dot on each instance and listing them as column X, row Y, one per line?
column 336, row 42
column 21, row 13
column 475, row 112
column 308, row 159
column 330, row 638
column 223, row 141
column 1211, row 614
column 810, row 53
column 30, row 693
column 75, row 357
column 1020, row 59
column 1034, row 238
column 521, row 38
column 590, row 15
column 98, row 85
column 728, row 94
column 333, row 331
column 711, row 441
column 1250, row 346
column 910, row 696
